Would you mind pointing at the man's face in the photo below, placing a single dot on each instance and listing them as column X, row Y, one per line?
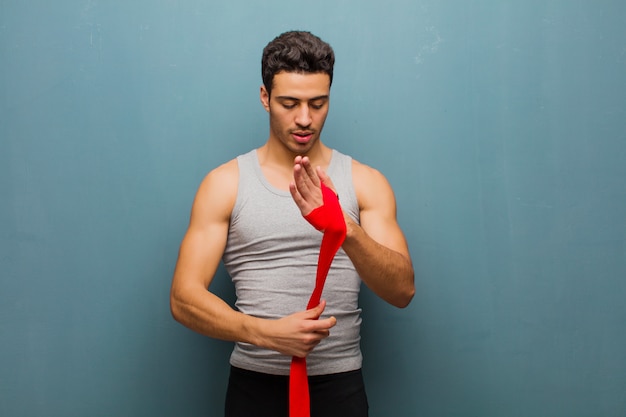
column 298, row 108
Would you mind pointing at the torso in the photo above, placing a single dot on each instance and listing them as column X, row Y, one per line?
column 271, row 256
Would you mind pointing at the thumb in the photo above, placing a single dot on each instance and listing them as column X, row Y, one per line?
column 325, row 179
column 317, row 311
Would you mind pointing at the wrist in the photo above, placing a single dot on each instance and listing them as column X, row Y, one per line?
column 353, row 229
column 252, row 330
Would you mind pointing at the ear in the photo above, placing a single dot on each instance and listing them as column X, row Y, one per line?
column 265, row 98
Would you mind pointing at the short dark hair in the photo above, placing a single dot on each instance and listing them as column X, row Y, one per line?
column 296, row 51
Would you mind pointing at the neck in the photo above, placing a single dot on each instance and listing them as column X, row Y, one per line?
column 277, row 162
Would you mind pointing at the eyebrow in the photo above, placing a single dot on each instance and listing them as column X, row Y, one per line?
column 323, row 97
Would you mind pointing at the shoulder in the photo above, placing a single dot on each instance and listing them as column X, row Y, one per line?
column 226, row 174
column 370, row 185
column 361, row 170
column 217, row 192
column 222, row 179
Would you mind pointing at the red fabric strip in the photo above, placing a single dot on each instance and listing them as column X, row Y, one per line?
column 329, row 219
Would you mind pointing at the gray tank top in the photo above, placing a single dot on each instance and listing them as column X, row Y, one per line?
column 271, row 255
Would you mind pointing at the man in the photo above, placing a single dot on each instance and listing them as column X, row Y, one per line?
column 249, row 212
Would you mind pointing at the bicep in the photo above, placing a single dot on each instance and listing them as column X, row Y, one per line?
column 205, row 240
column 378, row 210
column 200, row 254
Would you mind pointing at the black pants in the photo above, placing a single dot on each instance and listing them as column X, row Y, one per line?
column 254, row 394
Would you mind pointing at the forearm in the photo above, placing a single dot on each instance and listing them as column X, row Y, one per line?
column 385, row 271
column 205, row 313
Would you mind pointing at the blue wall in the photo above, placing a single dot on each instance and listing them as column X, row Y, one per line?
column 501, row 126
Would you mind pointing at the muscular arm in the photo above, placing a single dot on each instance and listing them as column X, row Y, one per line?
column 377, row 247
column 193, row 305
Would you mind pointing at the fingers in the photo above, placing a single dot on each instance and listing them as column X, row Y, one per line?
column 311, row 173
column 305, row 177
column 317, row 325
column 306, row 171
column 301, row 332
column 316, row 331
column 321, row 174
column 315, row 313
column 326, row 325
column 305, row 187
column 297, row 197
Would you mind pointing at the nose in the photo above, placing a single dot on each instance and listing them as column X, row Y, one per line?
column 303, row 116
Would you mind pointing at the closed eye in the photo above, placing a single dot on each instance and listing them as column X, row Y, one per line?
column 318, row 104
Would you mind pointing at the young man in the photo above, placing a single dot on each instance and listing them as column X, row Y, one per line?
column 249, row 212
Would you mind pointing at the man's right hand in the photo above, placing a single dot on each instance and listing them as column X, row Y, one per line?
column 298, row 333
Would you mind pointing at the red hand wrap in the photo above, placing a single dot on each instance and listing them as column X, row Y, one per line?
column 329, row 219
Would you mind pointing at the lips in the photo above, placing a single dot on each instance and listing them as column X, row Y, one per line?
column 302, row 136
